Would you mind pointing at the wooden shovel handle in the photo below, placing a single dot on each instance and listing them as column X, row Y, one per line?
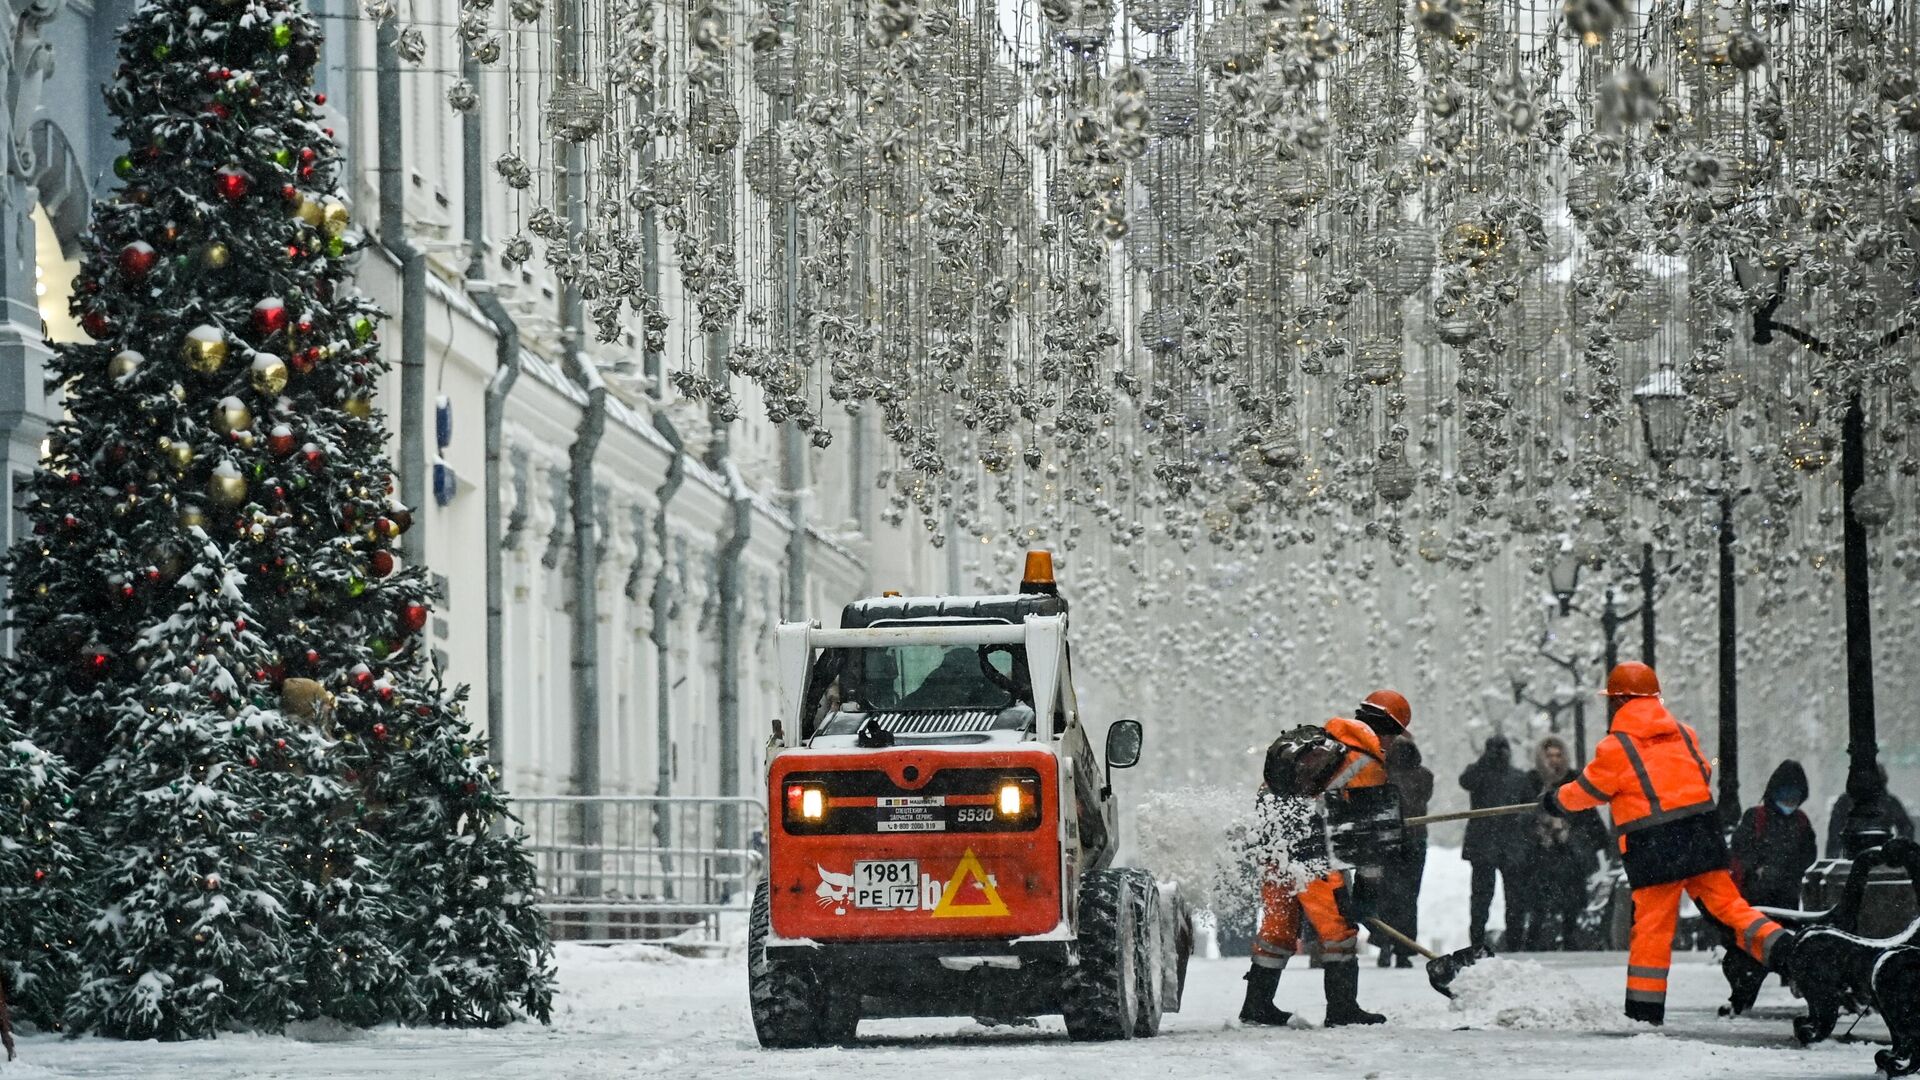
column 1469, row 815
column 1403, row 939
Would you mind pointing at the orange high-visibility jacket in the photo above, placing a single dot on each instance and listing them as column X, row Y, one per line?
column 1648, row 771
column 1366, row 764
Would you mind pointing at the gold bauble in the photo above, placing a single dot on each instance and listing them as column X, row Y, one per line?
column 215, row 256
column 227, row 487
column 124, row 363
column 180, row 453
column 335, row 217
column 268, row 374
column 309, row 211
column 232, row 415
column 359, row 405
column 205, row 349
column 192, row 517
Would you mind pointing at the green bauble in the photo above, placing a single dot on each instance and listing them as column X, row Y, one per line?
column 283, row 157
column 162, row 51
column 282, row 35
column 362, row 328
column 379, row 647
column 355, row 586
column 336, row 247
column 123, row 166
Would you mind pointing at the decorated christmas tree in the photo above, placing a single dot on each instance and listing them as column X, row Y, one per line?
column 41, row 878
column 221, row 428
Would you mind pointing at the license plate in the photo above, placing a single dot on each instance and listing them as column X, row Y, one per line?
column 887, row 885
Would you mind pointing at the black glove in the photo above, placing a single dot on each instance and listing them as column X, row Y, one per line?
column 1550, row 801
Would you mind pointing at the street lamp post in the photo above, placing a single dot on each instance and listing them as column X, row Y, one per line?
column 1865, row 788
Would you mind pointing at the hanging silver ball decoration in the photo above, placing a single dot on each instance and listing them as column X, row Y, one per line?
column 1173, row 96
column 1159, row 16
column 1873, row 504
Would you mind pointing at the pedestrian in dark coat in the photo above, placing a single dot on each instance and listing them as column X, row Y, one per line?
column 1400, row 886
column 1891, row 818
column 1494, row 845
column 1562, row 853
column 1772, row 848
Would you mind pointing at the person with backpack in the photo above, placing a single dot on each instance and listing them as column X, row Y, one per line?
column 1302, row 881
column 1650, row 774
column 1772, row 848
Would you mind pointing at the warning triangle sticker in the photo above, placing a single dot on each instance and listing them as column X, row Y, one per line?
column 969, row 869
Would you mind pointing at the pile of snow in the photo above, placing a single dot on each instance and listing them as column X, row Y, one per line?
column 1524, row 994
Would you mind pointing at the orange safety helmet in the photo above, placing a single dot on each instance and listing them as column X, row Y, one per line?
column 1631, row 679
column 1394, row 704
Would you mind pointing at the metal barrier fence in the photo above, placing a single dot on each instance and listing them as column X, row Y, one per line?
column 645, row 868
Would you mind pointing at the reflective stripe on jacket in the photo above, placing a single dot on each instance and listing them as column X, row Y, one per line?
column 1366, row 764
column 1648, row 771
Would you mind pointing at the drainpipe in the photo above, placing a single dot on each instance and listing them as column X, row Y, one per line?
column 662, row 603
column 793, row 443
column 727, row 566
column 727, row 574
column 506, row 371
column 413, row 285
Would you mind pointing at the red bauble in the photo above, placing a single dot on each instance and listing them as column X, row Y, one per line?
column 232, row 183
column 74, row 479
column 401, row 516
column 380, row 731
column 321, row 99
column 315, row 457
column 137, row 259
column 380, row 563
column 280, row 440
column 303, row 361
column 313, row 657
column 270, row 316
column 413, row 618
column 218, row 111
column 362, row 676
column 96, row 324
column 305, row 325
column 307, row 155
column 384, row 692
column 240, row 626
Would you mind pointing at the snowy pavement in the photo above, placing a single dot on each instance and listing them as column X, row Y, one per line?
column 634, row 1011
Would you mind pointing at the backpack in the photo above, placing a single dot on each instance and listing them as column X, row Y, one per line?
column 1302, row 762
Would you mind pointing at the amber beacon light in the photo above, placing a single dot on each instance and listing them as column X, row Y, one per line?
column 1039, row 574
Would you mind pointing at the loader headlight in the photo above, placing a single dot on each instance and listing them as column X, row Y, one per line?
column 806, row 802
column 1009, row 799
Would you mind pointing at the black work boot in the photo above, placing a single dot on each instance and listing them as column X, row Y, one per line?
column 1343, row 997
column 1262, row 983
column 1647, row 1012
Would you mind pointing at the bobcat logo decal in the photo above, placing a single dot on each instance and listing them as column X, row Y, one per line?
column 834, row 891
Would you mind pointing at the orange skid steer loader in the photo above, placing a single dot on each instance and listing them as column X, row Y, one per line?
column 943, row 836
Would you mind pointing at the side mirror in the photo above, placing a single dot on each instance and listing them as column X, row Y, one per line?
column 1123, row 744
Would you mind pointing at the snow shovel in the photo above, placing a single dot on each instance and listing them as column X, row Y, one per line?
column 1469, row 815
column 1441, row 970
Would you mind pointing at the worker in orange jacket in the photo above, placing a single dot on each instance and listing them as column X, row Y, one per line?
column 1325, row 899
column 1650, row 773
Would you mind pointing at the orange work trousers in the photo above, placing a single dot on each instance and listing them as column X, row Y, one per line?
column 1656, row 915
column 1281, row 910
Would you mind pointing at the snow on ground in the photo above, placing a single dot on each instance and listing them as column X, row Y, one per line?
column 633, row 1011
